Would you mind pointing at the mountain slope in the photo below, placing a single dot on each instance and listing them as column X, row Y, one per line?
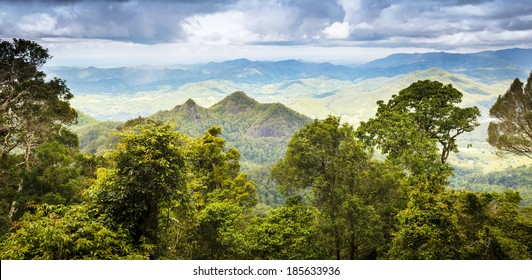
column 94, row 136
column 260, row 132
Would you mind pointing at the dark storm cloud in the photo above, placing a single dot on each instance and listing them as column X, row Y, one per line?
column 283, row 22
column 136, row 21
column 451, row 23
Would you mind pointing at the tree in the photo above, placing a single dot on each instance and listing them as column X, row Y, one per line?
column 512, row 129
column 326, row 161
column 222, row 198
column 290, row 232
column 67, row 233
column 148, row 175
column 31, row 108
column 493, row 226
column 55, row 178
column 420, row 115
column 428, row 227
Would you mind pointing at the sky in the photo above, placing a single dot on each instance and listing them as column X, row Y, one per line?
column 163, row 32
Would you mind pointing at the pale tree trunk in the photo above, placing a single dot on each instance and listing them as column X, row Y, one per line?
column 27, row 152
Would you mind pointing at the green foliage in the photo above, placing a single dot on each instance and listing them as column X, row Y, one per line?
column 97, row 137
column 290, row 232
column 493, row 226
column 267, row 190
column 32, row 110
column 325, row 159
column 512, row 130
column 148, row 174
column 517, row 179
column 218, row 225
column 428, row 227
column 222, row 198
column 30, row 107
column 54, row 176
column 66, row 233
column 409, row 126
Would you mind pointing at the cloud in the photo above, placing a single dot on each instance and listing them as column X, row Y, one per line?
column 337, row 30
column 147, row 22
column 434, row 24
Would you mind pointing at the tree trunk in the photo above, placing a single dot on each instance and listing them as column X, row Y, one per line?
column 27, row 152
column 13, row 209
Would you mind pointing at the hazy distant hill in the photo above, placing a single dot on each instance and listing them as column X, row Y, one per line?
column 131, row 80
column 312, row 89
column 489, row 66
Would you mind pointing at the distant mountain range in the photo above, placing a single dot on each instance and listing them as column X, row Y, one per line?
column 488, row 67
column 311, row 89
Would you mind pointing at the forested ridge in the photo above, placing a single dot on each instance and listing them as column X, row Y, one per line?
column 172, row 189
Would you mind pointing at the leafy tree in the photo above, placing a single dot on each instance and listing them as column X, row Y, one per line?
column 512, row 130
column 216, row 233
column 67, row 233
column 222, row 197
column 493, row 226
column 31, row 108
column 148, row 175
column 267, row 191
column 290, row 232
column 428, row 227
column 325, row 160
column 56, row 177
column 420, row 115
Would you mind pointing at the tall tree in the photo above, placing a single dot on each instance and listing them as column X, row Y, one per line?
column 428, row 228
column 148, row 174
column 512, row 129
column 325, row 160
column 424, row 111
column 223, row 198
column 31, row 108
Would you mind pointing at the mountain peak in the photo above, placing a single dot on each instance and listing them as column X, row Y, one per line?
column 190, row 103
column 239, row 97
column 236, row 102
column 191, row 109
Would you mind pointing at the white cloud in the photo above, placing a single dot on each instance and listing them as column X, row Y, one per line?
column 245, row 24
column 219, row 28
column 337, row 30
column 37, row 24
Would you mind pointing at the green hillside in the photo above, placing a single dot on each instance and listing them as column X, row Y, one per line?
column 259, row 131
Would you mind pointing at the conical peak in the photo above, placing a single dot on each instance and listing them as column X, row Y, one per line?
column 240, row 97
column 190, row 103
